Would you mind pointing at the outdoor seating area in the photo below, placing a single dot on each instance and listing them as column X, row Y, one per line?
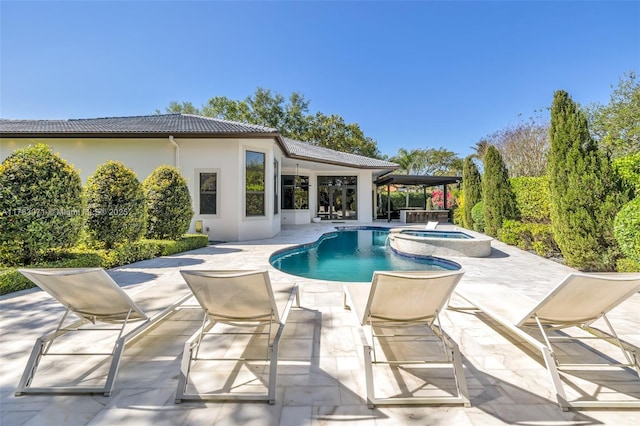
column 391, row 358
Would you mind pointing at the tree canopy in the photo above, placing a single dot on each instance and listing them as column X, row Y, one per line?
column 523, row 147
column 290, row 116
column 430, row 161
column 616, row 126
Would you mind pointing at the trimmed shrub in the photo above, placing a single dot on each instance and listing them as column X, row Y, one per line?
column 11, row 280
column 472, row 190
column 169, row 210
column 497, row 197
column 585, row 192
column 41, row 206
column 628, row 265
column 532, row 198
column 529, row 236
column 477, row 215
column 627, row 229
column 116, row 205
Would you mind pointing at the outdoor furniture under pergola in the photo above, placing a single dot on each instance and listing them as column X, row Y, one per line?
column 416, row 180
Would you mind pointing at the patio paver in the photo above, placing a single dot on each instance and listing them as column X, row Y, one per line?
column 321, row 371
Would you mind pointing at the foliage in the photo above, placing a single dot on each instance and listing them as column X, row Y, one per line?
column 585, row 192
column 616, row 126
column 532, row 198
column 410, row 162
column 523, row 147
column 398, row 200
column 627, row 229
column 627, row 265
column 437, row 199
column 477, row 215
column 472, row 190
column 11, row 280
column 628, row 168
column 458, row 212
column 291, row 117
column 40, row 205
column 480, row 149
column 331, row 131
column 497, row 196
column 536, row 237
column 430, row 161
column 116, row 205
column 169, row 210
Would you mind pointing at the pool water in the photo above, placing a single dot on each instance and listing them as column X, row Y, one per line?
column 351, row 256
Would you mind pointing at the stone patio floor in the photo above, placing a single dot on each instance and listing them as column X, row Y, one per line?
column 320, row 372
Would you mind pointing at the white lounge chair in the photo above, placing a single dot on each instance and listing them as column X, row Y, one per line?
column 238, row 298
column 94, row 297
column 578, row 301
column 411, row 300
column 432, row 225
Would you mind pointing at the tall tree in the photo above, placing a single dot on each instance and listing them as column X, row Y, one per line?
column 441, row 162
column 471, row 189
column 499, row 201
column 585, row 192
column 410, row 162
column 333, row 132
column 480, row 149
column 523, row 147
column 290, row 116
column 616, row 126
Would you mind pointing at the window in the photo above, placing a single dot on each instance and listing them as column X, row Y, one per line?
column 275, row 186
column 254, row 181
column 295, row 192
column 208, row 193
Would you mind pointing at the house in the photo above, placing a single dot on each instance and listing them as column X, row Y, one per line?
column 245, row 180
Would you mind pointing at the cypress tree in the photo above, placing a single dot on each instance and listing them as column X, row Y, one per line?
column 497, row 196
column 471, row 188
column 585, row 192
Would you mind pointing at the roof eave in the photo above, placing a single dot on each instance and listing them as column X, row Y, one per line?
column 338, row 163
column 139, row 135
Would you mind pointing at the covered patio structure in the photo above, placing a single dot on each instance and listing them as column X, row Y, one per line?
column 416, row 180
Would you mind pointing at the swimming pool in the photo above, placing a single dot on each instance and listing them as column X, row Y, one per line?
column 351, row 255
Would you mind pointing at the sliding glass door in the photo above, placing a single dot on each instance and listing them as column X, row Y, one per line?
column 337, row 197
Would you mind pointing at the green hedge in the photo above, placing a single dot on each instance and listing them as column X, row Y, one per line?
column 529, row 236
column 11, row 280
column 532, row 198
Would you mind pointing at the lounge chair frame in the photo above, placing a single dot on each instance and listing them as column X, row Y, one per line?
column 43, row 344
column 431, row 320
column 545, row 325
column 270, row 320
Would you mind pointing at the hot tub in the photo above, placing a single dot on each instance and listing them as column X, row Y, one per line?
column 421, row 242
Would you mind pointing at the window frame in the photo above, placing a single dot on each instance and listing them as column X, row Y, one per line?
column 247, row 193
column 198, row 191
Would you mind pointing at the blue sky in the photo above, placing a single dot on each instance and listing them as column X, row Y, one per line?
column 419, row 74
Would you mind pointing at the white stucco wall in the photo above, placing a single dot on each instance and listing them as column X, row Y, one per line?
column 140, row 155
column 226, row 157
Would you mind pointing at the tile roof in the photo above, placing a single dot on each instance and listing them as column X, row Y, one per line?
column 147, row 124
column 181, row 125
column 304, row 150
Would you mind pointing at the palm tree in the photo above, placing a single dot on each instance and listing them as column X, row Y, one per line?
column 480, row 149
column 409, row 161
